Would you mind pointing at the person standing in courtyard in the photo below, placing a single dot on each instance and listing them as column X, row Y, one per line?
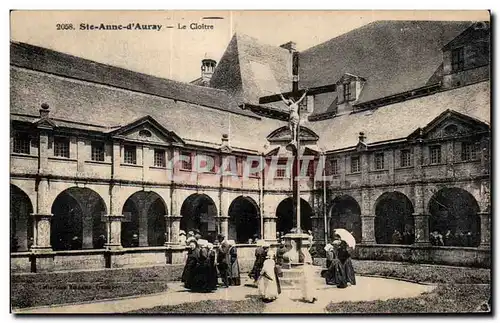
column 191, row 263
column 233, row 273
column 260, row 256
column 222, row 261
column 345, row 259
column 268, row 281
column 309, row 293
column 212, row 269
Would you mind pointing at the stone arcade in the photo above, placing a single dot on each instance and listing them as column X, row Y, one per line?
column 405, row 135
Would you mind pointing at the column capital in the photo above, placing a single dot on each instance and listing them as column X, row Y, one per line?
column 417, row 214
column 173, row 217
column 114, row 217
column 222, row 218
column 42, row 216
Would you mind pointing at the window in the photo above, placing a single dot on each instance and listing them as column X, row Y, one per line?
column 130, row 155
column 97, row 153
column 159, row 158
column 61, row 147
column 280, row 170
column 310, row 169
column 204, row 162
column 255, row 164
column 379, row 161
column 405, row 158
column 22, row 143
column 457, row 59
column 355, row 166
column 186, row 161
column 435, row 154
column 469, row 151
column 334, row 165
column 347, row 92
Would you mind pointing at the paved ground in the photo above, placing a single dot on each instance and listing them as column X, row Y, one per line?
column 367, row 289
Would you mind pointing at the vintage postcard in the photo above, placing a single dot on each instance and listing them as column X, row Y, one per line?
column 250, row 162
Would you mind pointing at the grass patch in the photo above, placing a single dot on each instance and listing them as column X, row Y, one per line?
column 451, row 298
column 248, row 306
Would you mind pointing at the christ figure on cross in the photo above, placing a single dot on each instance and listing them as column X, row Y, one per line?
column 294, row 120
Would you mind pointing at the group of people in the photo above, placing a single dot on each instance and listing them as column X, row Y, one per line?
column 207, row 262
column 459, row 239
column 340, row 271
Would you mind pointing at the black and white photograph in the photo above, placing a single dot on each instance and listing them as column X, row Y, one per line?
column 250, row 162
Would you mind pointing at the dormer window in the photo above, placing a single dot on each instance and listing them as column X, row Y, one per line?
column 349, row 88
column 457, row 59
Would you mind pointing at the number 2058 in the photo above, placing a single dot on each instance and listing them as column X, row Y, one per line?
column 64, row 27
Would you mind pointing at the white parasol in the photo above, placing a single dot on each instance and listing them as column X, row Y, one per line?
column 346, row 236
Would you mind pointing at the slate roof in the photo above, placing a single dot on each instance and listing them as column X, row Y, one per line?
column 399, row 120
column 49, row 61
column 393, row 57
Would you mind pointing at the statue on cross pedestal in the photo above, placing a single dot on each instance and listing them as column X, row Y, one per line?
column 294, row 119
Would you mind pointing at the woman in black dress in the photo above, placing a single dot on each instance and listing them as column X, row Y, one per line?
column 191, row 263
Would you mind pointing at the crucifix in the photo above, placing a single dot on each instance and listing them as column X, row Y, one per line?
column 292, row 100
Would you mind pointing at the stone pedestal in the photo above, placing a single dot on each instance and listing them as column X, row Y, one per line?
column 421, row 229
column 270, row 228
column 298, row 248
column 42, row 233
column 485, row 218
column 368, row 229
column 114, row 231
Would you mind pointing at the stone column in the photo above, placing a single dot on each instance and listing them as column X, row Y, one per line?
column 421, row 229
column 143, row 225
column 87, row 228
column 43, row 146
column 223, row 225
column 114, row 231
column 368, row 229
column 485, row 218
column 174, row 227
column 42, row 219
column 270, row 228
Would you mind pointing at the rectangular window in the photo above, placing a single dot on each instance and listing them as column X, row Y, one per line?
column 470, row 151
column 435, row 154
column 310, row 169
column 347, row 92
column 22, row 143
column 186, row 160
column 457, row 59
column 97, row 153
column 130, row 155
column 405, row 158
column 61, row 147
column 334, row 166
column 379, row 161
column 280, row 170
column 355, row 165
column 159, row 158
column 254, row 165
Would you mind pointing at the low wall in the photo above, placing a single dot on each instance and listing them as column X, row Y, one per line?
column 75, row 260
column 453, row 256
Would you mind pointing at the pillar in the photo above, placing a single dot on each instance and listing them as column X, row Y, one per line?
column 42, row 218
column 485, row 218
column 143, row 224
column 223, row 225
column 87, row 226
column 114, row 231
column 368, row 229
column 421, row 229
column 43, row 159
column 173, row 229
column 270, row 228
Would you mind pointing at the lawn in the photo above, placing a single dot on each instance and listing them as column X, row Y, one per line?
column 248, row 306
column 459, row 289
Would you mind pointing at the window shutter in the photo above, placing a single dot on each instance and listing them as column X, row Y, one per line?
column 340, row 93
column 353, row 90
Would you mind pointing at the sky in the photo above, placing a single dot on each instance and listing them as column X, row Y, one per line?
column 177, row 53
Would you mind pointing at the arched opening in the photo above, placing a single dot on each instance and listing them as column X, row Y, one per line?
column 394, row 219
column 345, row 213
column 199, row 213
column 285, row 217
column 21, row 221
column 77, row 220
column 454, row 216
column 144, row 223
column 244, row 220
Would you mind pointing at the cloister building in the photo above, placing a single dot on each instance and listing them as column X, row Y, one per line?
column 405, row 140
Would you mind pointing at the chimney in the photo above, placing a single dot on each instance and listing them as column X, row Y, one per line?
column 207, row 69
column 290, row 46
column 44, row 111
column 362, row 137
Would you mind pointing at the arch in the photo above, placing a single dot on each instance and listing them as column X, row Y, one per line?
column 285, row 216
column 21, row 220
column 77, row 220
column 345, row 212
column 244, row 219
column 199, row 212
column 394, row 219
column 145, row 223
column 454, row 215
